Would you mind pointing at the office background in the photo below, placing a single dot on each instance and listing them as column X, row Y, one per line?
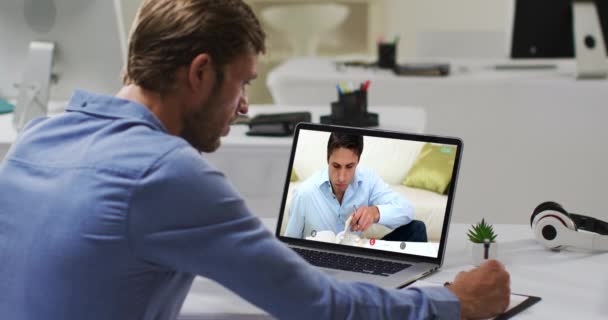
column 528, row 137
column 552, row 153
column 483, row 25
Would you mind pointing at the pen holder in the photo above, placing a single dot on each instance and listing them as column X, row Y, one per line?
column 387, row 55
column 351, row 110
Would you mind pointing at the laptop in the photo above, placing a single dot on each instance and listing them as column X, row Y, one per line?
column 407, row 177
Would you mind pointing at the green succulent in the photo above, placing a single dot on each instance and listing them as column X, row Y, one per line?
column 481, row 231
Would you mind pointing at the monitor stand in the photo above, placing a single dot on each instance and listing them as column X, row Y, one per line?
column 33, row 94
column 589, row 47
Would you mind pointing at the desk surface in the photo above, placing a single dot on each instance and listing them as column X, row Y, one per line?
column 573, row 284
column 247, row 160
column 7, row 132
column 392, row 117
column 304, row 81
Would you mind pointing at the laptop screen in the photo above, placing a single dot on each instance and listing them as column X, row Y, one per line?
column 368, row 189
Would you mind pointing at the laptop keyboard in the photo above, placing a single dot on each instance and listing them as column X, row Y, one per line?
column 351, row 263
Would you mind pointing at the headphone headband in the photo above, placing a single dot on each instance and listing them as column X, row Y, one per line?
column 590, row 224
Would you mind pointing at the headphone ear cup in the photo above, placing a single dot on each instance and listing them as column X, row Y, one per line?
column 547, row 205
column 550, row 231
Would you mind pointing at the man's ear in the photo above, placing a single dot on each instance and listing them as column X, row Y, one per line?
column 200, row 73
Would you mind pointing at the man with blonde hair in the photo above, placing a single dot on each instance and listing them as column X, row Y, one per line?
column 108, row 211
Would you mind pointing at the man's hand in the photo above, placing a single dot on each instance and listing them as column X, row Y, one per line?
column 483, row 292
column 364, row 217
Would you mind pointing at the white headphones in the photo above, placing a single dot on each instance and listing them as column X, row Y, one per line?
column 555, row 228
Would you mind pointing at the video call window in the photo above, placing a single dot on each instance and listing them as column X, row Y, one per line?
column 406, row 181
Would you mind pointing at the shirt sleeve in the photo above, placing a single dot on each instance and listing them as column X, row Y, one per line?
column 185, row 216
column 295, row 225
column 394, row 209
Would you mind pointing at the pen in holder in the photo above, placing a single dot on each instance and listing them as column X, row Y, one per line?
column 351, row 110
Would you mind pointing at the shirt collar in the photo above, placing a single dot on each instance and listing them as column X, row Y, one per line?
column 323, row 181
column 111, row 107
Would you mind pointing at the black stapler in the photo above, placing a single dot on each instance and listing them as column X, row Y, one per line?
column 276, row 124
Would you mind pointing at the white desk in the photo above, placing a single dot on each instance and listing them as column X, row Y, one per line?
column 572, row 284
column 312, row 81
column 7, row 133
column 247, row 161
column 529, row 136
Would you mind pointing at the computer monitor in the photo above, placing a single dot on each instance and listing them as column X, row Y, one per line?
column 49, row 48
column 563, row 29
column 544, row 28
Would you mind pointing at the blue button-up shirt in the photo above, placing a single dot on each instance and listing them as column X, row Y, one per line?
column 105, row 215
column 314, row 206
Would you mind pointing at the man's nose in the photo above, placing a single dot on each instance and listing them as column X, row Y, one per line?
column 243, row 104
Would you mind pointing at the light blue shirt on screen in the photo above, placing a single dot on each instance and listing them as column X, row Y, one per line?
column 105, row 215
column 314, row 206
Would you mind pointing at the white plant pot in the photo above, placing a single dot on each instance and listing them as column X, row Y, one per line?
column 478, row 252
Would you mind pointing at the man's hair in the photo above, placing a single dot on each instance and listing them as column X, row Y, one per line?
column 169, row 34
column 353, row 142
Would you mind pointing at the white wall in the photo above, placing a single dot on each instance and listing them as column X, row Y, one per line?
column 408, row 17
column 129, row 8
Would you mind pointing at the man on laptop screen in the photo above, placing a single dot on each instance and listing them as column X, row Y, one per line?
column 360, row 197
column 346, row 197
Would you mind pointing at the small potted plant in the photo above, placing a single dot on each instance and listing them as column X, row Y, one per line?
column 483, row 240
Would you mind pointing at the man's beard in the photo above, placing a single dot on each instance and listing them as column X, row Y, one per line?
column 202, row 129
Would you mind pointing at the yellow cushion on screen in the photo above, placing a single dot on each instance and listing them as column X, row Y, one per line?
column 294, row 176
column 432, row 170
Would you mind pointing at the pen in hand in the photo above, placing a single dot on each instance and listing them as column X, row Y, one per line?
column 486, row 248
column 354, row 211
